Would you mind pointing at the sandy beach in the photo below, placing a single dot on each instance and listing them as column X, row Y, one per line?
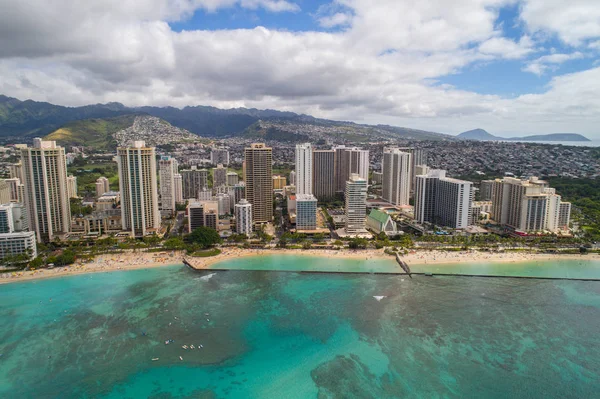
column 141, row 260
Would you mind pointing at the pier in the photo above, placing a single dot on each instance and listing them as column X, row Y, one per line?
column 403, row 265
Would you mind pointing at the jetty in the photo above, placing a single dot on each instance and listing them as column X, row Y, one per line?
column 403, row 265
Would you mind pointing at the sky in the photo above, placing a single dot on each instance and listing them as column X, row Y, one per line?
column 512, row 67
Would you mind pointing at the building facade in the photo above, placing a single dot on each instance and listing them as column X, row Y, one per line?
column 279, row 182
column 167, row 169
column 46, row 190
column 219, row 176
column 219, row 156
column 232, row 179
column 306, row 212
column 193, row 181
column 348, row 161
column 304, row 168
column 102, row 186
column 243, row 218
column 397, row 180
column 139, row 189
column 259, row 181
column 323, row 174
column 355, row 208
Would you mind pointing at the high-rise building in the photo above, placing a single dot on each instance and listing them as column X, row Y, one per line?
column 194, row 180
column 219, row 176
column 485, row 190
column 13, row 218
column 304, row 168
column 528, row 205
column 202, row 213
column 102, row 186
column 323, row 174
column 232, row 179
column 224, row 202
column 167, row 169
column 259, row 182
column 46, row 192
column 16, row 170
column 279, row 182
column 17, row 190
column 243, row 217
column 5, row 191
column 15, row 237
column 356, row 208
column 178, row 188
column 139, row 188
column 418, row 157
column 293, row 178
column 397, row 172
column 350, row 161
column 239, row 192
column 306, row 212
column 72, row 186
column 443, row 201
column 219, row 156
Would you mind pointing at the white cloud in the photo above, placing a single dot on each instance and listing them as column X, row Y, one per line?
column 337, row 19
column 378, row 70
column 572, row 21
column 542, row 64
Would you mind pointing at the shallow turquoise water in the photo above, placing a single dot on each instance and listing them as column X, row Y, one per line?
column 286, row 262
column 575, row 269
column 292, row 335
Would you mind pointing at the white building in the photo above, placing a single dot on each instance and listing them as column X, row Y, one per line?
column 397, row 176
column 47, row 197
column 167, row 169
column 102, row 186
column 224, row 201
column 528, row 205
column 443, row 201
column 304, row 169
column 306, row 212
column 356, row 209
column 243, row 217
column 72, row 186
column 139, row 189
column 16, row 189
column 15, row 239
column 293, row 178
column 178, row 188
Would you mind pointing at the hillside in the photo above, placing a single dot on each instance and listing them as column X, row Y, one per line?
column 31, row 118
column 107, row 134
column 97, row 133
column 482, row 135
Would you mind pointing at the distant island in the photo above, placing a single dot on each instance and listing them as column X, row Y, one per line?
column 482, row 135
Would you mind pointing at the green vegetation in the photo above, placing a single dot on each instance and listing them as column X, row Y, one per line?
column 96, row 133
column 204, row 237
column 88, row 173
column 206, row 253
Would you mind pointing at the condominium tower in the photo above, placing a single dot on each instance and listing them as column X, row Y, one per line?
column 304, row 168
column 243, row 217
column 356, row 208
column 167, row 169
column 46, row 192
column 259, row 181
column 194, row 180
column 323, row 174
column 139, row 189
column 219, row 176
column 349, row 161
column 397, row 172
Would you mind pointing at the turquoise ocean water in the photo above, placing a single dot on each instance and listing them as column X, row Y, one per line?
column 294, row 335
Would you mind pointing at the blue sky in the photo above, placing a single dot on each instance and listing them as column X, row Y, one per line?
column 508, row 66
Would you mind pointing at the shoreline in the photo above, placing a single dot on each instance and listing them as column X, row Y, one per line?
column 146, row 260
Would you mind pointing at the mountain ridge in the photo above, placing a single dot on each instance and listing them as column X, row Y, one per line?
column 482, row 135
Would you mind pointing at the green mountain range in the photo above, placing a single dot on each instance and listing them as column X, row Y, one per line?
column 482, row 135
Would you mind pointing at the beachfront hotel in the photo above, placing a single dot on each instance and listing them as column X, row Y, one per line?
column 167, row 169
column 355, row 209
column 259, row 182
column 442, row 200
column 397, row 180
column 323, row 174
column 243, row 218
column 529, row 205
column 139, row 189
column 306, row 212
column 304, row 168
column 46, row 189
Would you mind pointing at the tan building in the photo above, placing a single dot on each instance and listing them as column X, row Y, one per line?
column 279, row 182
column 72, row 186
column 139, row 189
column 46, row 189
column 259, row 182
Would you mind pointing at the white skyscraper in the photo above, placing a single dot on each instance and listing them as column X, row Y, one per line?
column 397, row 166
column 46, row 190
column 243, row 217
column 167, row 167
column 178, row 188
column 443, row 201
column 72, row 186
column 304, row 169
column 356, row 208
column 139, row 188
column 102, row 186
